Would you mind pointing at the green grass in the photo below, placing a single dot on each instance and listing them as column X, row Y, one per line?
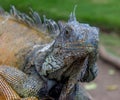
column 102, row 13
column 112, row 43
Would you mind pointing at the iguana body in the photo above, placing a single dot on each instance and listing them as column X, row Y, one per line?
column 16, row 38
column 70, row 58
column 16, row 41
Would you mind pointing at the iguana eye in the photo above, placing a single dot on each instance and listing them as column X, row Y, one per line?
column 67, row 32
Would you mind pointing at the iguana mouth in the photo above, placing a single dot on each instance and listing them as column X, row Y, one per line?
column 78, row 47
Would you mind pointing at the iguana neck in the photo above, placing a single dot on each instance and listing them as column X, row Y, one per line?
column 45, row 61
column 52, row 59
column 55, row 60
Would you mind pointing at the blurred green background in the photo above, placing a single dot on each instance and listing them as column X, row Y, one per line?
column 104, row 14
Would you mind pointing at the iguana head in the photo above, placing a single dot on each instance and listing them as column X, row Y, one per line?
column 76, row 40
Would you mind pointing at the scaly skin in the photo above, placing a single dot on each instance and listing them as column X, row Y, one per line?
column 17, row 39
column 73, row 55
column 9, row 93
column 70, row 58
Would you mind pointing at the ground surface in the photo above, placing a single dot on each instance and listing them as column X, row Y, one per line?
column 108, row 83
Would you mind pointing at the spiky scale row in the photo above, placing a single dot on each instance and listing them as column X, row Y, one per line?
column 34, row 20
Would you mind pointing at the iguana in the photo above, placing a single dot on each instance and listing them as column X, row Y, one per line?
column 42, row 63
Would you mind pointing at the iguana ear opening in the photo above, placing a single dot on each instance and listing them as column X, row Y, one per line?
column 72, row 15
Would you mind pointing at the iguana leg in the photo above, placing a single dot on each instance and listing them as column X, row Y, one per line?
column 26, row 86
column 13, row 79
column 7, row 91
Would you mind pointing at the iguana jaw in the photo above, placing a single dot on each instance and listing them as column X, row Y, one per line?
column 59, row 58
column 68, row 46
